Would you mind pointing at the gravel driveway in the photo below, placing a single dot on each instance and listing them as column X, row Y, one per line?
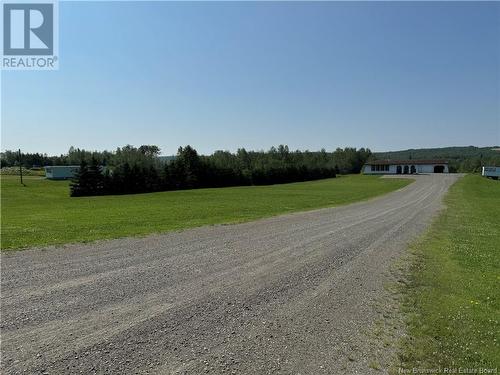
column 292, row 294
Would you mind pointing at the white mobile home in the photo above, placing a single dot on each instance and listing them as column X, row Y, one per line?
column 405, row 166
column 61, row 172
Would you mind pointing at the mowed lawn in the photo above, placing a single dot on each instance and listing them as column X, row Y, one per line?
column 42, row 213
column 453, row 299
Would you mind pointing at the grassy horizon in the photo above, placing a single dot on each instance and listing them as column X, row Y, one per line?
column 452, row 300
column 42, row 213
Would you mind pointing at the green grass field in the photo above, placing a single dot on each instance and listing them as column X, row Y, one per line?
column 452, row 301
column 42, row 213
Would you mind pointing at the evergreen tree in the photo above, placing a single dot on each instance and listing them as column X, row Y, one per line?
column 79, row 184
column 88, row 180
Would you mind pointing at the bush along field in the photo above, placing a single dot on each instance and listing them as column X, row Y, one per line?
column 452, row 300
column 134, row 170
column 42, row 213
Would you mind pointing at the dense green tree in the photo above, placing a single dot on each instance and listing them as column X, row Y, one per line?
column 89, row 180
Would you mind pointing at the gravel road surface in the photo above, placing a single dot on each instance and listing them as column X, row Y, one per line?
column 292, row 294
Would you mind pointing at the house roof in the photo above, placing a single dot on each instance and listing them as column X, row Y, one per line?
column 407, row 162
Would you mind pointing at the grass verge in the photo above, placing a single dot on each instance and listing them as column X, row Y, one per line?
column 42, row 213
column 452, row 298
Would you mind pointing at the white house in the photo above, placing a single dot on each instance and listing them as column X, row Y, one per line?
column 405, row 166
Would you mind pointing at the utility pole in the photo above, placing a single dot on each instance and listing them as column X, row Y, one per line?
column 20, row 167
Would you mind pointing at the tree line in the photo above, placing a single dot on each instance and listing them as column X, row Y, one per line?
column 138, row 170
column 461, row 159
column 74, row 156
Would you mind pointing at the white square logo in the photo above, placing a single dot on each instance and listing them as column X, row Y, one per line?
column 30, row 35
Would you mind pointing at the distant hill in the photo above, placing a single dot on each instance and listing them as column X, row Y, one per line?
column 462, row 159
column 166, row 159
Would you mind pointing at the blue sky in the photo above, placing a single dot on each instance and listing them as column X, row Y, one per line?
column 388, row 76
